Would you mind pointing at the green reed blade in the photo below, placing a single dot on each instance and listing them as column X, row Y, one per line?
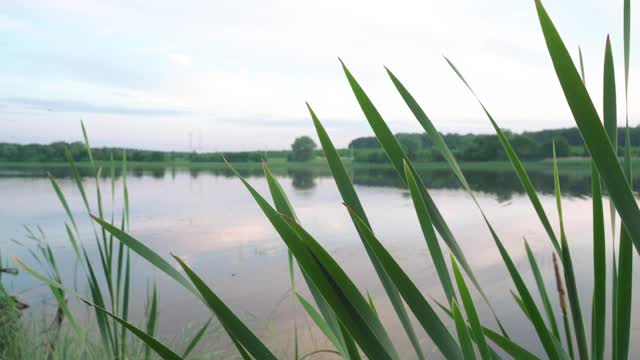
column 346, row 287
column 283, row 206
column 503, row 342
column 344, row 338
column 625, row 272
column 112, row 173
column 63, row 201
column 152, row 318
column 517, row 165
column 609, row 112
column 196, row 338
column 119, row 264
column 43, row 278
column 572, row 288
column 614, row 310
column 521, row 305
column 599, row 267
column 423, row 312
column 102, row 324
column 234, row 326
column 463, row 333
column 105, row 247
column 77, row 179
column 125, row 189
column 86, row 143
column 315, row 352
column 159, row 348
column 542, row 289
column 98, row 299
column 352, row 309
column 322, row 325
column 592, row 130
column 429, row 235
column 373, row 306
column 509, row 346
column 349, row 196
column 125, row 299
column 280, row 199
column 241, row 350
column 350, row 343
column 536, row 318
column 599, row 247
column 584, row 80
column 548, row 341
column 72, row 240
column 340, row 174
column 146, row 253
column 58, row 294
column 472, row 314
column 396, row 155
column 562, row 298
column 624, row 294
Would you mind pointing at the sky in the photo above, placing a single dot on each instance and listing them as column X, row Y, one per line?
column 235, row 75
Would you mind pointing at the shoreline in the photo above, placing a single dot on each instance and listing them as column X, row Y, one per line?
column 317, row 163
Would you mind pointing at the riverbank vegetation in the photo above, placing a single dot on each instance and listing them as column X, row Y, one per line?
column 532, row 146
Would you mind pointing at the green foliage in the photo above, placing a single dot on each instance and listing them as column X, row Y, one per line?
column 531, row 145
column 302, row 149
column 10, row 327
column 418, row 146
column 377, row 156
column 562, row 147
column 483, row 148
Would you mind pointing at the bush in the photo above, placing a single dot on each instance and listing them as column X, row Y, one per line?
column 302, row 149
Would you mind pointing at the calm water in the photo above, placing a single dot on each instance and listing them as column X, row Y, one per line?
column 208, row 218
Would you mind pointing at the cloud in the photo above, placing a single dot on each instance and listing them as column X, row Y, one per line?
column 69, row 106
column 179, row 59
column 9, row 24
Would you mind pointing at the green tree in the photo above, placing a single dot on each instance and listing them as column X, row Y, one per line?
column 483, row 148
column 562, row 147
column 411, row 145
column 527, row 148
column 302, row 149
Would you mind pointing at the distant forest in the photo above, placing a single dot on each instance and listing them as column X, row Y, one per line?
column 533, row 145
column 60, row 151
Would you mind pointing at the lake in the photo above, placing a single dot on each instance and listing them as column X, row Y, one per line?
column 209, row 219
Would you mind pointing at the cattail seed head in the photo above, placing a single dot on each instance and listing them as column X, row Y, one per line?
column 561, row 292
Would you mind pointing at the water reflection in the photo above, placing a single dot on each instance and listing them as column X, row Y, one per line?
column 207, row 217
column 503, row 183
column 302, row 179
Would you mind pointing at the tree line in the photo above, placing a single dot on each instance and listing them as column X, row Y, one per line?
column 530, row 145
column 303, row 149
column 57, row 152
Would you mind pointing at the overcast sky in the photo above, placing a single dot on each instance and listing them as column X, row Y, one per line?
column 235, row 75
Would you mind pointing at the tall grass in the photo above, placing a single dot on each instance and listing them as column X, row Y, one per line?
column 348, row 318
column 108, row 279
